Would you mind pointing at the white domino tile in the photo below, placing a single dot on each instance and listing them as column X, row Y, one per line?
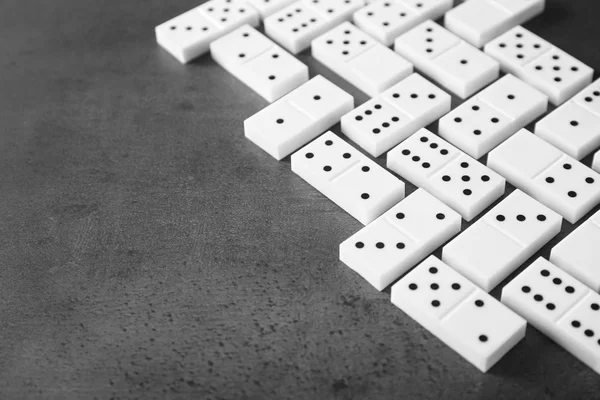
column 386, row 120
column 596, row 162
column 579, row 252
column 547, row 174
column 259, row 63
column 298, row 117
column 494, row 114
column 400, row 238
column 430, row 162
column 542, row 65
column 360, row 59
column 574, row 127
column 468, row 320
column 502, row 240
column 385, row 20
column 349, row 178
column 450, row 61
column 480, row 21
column 559, row 306
column 189, row 35
column 295, row 26
column 268, row 7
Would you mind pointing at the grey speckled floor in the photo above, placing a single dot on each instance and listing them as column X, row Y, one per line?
column 148, row 250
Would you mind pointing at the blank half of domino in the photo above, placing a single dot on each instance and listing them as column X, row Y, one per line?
column 493, row 115
column 347, row 177
column 574, row 127
column 430, row 162
column 480, row 21
column 298, row 117
column 189, row 35
column 360, row 59
column 395, row 242
column 258, row 62
column 296, row 25
column 547, row 174
column 268, row 7
column 502, row 240
column 579, row 253
column 385, row 20
column 539, row 63
column 559, row 306
column 450, row 61
column 471, row 322
column 386, row 120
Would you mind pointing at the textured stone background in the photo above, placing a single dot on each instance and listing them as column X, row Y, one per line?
column 148, row 250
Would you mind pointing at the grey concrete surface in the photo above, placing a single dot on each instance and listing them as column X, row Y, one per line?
column 148, row 250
